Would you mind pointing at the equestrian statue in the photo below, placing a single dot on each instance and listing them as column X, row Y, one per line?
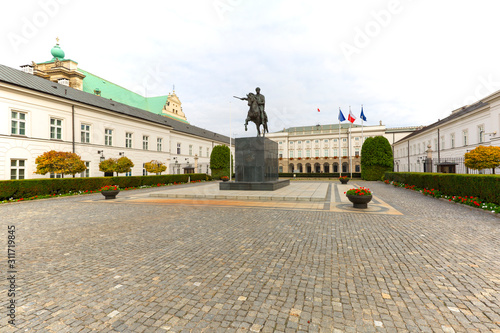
column 256, row 112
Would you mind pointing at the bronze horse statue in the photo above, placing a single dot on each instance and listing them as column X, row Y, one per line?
column 254, row 114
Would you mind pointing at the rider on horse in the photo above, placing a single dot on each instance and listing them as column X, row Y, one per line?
column 261, row 102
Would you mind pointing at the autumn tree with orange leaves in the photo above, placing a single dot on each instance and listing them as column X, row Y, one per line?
column 59, row 162
column 483, row 158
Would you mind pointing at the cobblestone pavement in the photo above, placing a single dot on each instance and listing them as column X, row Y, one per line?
column 85, row 264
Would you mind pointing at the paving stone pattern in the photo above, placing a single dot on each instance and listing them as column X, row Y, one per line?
column 86, row 265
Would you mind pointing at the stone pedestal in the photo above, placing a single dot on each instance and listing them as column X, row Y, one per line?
column 256, row 166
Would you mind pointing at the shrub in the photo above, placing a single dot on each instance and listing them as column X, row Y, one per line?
column 219, row 161
column 484, row 187
column 25, row 188
column 376, row 158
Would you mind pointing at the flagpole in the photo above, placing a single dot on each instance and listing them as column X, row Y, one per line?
column 340, row 161
column 230, row 117
column 349, row 146
column 362, row 136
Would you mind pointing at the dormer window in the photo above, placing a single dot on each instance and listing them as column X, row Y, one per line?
column 64, row 82
column 27, row 69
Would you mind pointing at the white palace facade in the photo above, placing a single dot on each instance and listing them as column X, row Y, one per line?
column 43, row 107
column 447, row 140
column 316, row 149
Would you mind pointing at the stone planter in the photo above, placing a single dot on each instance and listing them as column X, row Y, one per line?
column 110, row 194
column 344, row 181
column 359, row 201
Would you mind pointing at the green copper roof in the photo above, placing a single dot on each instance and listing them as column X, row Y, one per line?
column 117, row 93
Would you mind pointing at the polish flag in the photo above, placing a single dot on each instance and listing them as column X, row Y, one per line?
column 351, row 117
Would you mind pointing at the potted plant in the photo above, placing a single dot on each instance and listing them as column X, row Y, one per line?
column 360, row 197
column 110, row 191
column 224, row 178
column 344, row 179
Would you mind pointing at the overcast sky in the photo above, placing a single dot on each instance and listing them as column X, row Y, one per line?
column 408, row 62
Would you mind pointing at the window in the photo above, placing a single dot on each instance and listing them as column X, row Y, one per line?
column 435, row 144
column 442, row 142
column 190, row 150
column 316, row 141
column 144, row 171
column 159, row 144
column 55, row 129
column 480, row 130
column 326, row 152
column 452, row 140
column 128, row 140
column 145, row 142
column 128, row 174
column 299, row 154
column 335, row 140
column 357, row 168
column 85, row 133
column 308, row 153
column 201, row 152
column 281, row 142
column 18, row 123
column 326, row 140
column 291, row 153
column 356, row 153
column 356, row 138
column 335, row 153
column 344, row 152
column 280, row 155
column 56, row 175
column 316, row 153
column 344, row 139
column 208, row 152
column 86, row 172
column 291, row 143
column 17, row 169
column 178, row 148
column 108, row 137
column 299, row 142
column 464, row 137
column 308, row 141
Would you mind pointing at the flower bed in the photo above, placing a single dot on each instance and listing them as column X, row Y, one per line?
column 466, row 200
column 83, row 192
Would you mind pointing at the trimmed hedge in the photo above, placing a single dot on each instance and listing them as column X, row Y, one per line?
column 318, row 175
column 26, row 188
column 485, row 187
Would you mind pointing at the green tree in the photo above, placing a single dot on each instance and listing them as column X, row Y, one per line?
column 59, row 162
column 156, row 167
column 219, row 161
column 483, row 158
column 108, row 165
column 376, row 158
column 123, row 165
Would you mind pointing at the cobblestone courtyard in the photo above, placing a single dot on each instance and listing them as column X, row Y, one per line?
column 85, row 264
